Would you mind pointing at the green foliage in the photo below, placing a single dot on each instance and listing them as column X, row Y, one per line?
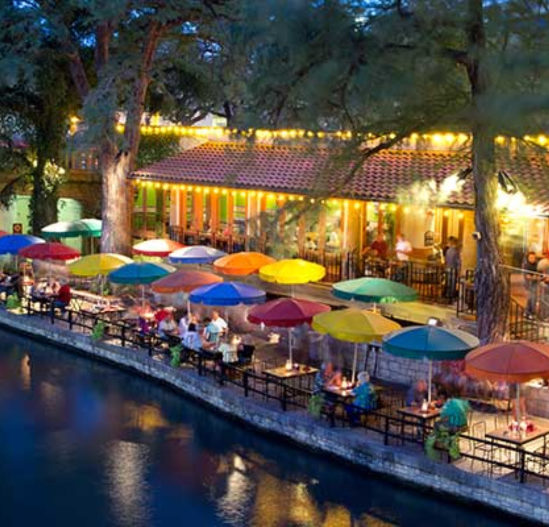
column 98, row 330
column 13, row 302
column 443, row 437
column 175, row 352
column 316, row 403
column 153, row 148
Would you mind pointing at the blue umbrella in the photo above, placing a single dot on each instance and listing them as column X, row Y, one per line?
column 429, row 342
column 11, row 243
column 139, row 273
column 227, row 294
column 195, row 254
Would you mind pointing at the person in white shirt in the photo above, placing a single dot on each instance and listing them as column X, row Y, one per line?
column 183, row 326
column 167, row 326
column 192, row 339
column 219, row 322
column 403, row 248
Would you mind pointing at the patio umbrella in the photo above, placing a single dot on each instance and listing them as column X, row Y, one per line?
column 242, row 263
column 292, row 271
column 12, row 243
column 354, row 325
column 140, row 273
column 431, row 343
column 286, row 313
column 373, row 290
column 195, row 254
column 87, row 227
column 517, row 361
column 157, row 247
column 227, row 294
column 3, row 233
column 98, row 264
column 49, row 251
column 184, row 281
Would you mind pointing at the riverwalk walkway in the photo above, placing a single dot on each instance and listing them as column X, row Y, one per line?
column 383, row 442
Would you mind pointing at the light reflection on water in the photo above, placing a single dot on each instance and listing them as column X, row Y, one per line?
column 84, row 444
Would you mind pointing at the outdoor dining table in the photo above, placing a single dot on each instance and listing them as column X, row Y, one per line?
column 298, row 374
column 423, row 417
column 518, row 439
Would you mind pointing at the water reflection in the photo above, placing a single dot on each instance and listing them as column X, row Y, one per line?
column 94, row 446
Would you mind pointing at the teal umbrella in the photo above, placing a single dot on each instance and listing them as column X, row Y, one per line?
column 429, row 342
column 87, row 227
column 374, row 290
column 140, row 273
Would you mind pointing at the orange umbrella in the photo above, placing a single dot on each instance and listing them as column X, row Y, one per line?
column 184, row 281
column 242, row 263
column 517, row 361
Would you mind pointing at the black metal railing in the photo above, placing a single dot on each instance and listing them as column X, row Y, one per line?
column 432, row 281
column 494, row 457
column 340, row 265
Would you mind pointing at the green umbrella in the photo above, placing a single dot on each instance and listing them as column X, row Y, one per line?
column 374, row 290
column 429, row 342
column 89, row 228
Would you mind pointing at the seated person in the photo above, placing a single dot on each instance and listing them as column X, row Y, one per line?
column 333, row 376
column 417, row 393
column 9, row 283
column 167, row 327
column 63, row 296
column 144, row 326
column 160, row 313
column 365, row 395
column 183, row 325
column 229, row 348
column 192, row 339
column 211, row 333
column 55, row 286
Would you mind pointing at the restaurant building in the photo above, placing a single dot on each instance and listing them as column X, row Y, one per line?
column 296, row 193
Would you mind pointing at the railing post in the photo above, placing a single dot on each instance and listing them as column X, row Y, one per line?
column 52, row 313
column 283, row 400
column 245, row 382
column 200, row 364
column 70, row 318
column 149, row 345
column 522, row 454
column 221, row 365
column 386, row 431
column 123, row 335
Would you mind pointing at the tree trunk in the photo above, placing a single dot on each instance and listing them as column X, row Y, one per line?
column 116, row 236
column 43, row 202
column 491, row 285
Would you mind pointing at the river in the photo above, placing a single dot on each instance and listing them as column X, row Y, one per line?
column 84, row 444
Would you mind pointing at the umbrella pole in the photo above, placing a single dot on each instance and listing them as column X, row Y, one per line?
column 290, row 345
column 354, row 362
column 142, row 295
column 518, row 403
column 430, row 380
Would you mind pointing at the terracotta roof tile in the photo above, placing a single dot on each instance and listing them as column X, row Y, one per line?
column 303, row 170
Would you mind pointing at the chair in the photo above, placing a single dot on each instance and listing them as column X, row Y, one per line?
column 539, row 465
column 488, row 451
column 245, row 355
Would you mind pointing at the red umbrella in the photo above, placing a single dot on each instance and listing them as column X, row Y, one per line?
column 49, row 251
column 158, row 247
column 3, row 233
column 517, row 361
column 286, row 313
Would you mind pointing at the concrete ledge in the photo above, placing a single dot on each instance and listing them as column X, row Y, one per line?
column 349, row 445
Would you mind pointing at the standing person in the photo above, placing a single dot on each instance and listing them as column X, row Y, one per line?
column 379, row 247
column 219, row 322
column 531, row 280
column 452, row 262
column 183, row 325
column 403, row 248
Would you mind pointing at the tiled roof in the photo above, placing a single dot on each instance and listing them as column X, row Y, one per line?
column 302, row 170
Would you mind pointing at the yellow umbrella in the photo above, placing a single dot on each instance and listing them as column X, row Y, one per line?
column 354, row 325
column 290, row 272
column 98, row 264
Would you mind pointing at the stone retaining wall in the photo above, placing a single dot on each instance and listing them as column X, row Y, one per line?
column 521, row 500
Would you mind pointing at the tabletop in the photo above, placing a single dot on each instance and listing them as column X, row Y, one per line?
column 282, row 373
column 417, row 412
column 518, row 438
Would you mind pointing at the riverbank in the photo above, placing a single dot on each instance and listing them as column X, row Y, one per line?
column 353, row 446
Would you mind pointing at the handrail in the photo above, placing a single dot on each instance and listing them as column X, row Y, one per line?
column 390, row 427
